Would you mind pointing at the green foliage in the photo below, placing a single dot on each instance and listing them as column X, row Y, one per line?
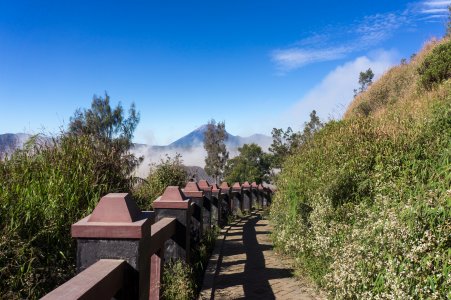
column 177, row 281
column 281, row 145
column 168, row 172
column 286, row 142
column 108, row 128
column 104, row 122
column 43, row 190
column 365, row 80
column 364, row 206
column 310, row 128
column 252, row 164
column 217, row 154
column 181, row 281
column 436, row 67
column 52, row 184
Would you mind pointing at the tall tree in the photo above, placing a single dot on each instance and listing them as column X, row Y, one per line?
column 252, row 164
column 311, row 127
column 365, row 80
column 286, row 142
column 217, row 154
column 104, row 122
column 280, row 147
column 110, row 132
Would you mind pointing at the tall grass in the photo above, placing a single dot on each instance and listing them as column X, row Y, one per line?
column 365, row 206
column 43, row 190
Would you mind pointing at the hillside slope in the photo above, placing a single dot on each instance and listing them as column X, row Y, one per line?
column 365, row 206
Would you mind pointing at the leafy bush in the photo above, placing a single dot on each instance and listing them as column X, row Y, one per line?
column 167, row 173
column 178, row 283
column 43, row 190
column 252, row 164
column 364, row 207
column 436, row 67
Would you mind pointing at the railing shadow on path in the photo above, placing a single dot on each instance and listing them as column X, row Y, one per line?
column 254, row 281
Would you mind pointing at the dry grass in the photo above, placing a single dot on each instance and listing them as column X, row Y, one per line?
column 399, row 85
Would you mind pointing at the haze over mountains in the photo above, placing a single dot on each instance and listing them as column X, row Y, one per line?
column 189, row 146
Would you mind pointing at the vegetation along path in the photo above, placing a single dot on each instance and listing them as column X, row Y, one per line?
column 245, row 266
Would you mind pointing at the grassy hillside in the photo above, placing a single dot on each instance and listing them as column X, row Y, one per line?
column 365, row 206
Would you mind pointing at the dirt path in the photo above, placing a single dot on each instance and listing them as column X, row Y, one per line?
column 245, row 266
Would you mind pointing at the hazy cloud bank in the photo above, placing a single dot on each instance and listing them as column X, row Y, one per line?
column 334, row 93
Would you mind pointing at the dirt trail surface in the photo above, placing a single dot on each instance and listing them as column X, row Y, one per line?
column 244, row 266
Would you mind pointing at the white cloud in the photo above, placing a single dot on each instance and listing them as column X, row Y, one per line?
column 338, row 42
column 293, row 58
column 431, row 11
column 434, row 10
column 332, row 95
column 436, row 3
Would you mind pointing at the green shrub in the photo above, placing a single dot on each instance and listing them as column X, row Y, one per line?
column 177, row 281
column 168, row 172
column 180, row 281
column 43, row 190
column 364, row 207
column 436, row 67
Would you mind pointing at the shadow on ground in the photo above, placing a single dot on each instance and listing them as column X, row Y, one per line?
column 254, row 279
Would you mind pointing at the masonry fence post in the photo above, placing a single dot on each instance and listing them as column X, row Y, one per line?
column 117, row 229
column 265, row 197
column 226, row 200
column 216, row 208
column 260, row 195
column 254, row 191
column 205, row 187
column 236, row 203
column 172, row 204
column 246, row 196
column 193, row 192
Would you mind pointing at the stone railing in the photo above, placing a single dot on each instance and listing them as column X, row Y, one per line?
column 121, row 250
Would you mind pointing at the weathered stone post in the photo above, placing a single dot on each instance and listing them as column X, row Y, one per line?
column 236, row 198
column 226, row 200
column 205, row 187
column 216, row 211
column 117, row 229
column 246, row 196
column 260, row 195
column 265, row 197
column 271, row 191
column 174, row 204
column 192, row 191
column 254, row 195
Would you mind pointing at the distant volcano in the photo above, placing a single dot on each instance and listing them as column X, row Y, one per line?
column 196, row 137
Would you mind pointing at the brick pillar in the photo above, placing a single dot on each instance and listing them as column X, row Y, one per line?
column 246, row 196
column 226, row 200
column 192, row 191
column 210, row 206
column 254, row 194
column 216, row 212
column 236, row 202
column 117, row 229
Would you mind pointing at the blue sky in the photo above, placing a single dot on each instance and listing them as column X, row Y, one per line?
column 253, row 64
